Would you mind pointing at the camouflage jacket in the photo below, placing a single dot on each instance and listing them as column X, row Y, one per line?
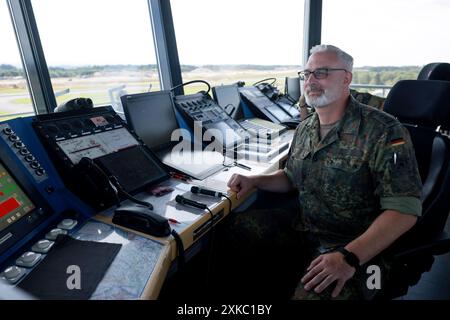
column 363, row 166
column 369, row 99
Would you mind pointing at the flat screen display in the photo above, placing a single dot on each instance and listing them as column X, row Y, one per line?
column 151, row 115
column 292, row 87
column 14, row 203
column 97, row 145
column 228, row 98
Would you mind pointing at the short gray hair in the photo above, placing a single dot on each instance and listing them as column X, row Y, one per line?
column 343, row 56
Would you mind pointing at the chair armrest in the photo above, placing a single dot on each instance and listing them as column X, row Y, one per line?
column 435, row 246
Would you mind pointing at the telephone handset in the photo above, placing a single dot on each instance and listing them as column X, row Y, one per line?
column 268, row 89
column 96, row 181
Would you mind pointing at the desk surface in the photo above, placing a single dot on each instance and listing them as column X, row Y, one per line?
column 141, row 268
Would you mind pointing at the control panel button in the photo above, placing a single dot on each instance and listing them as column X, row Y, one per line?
column 42, row 246
column 30, row 158
column 34, row 164
column 67, row 224
column 8, row 131
column 19, row 144
column 13, row 137
column 54, row 233
column 24, row 151
column 13, row 273
column 39, row 172
column 28, row 259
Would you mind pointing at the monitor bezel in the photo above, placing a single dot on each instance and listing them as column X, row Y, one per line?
column 131, row 125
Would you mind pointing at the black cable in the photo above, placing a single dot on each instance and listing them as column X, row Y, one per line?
column 274, row 80
column 190, row 82
column 229, row 201
column 116, row 183
column 223, row 108
column 230, row 104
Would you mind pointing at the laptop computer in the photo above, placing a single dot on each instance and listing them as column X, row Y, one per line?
column 151, row 115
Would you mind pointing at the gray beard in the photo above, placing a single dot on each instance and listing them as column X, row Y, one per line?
column 318, row 102
column 324, row 100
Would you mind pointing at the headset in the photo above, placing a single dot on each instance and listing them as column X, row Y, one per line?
column 75, row 104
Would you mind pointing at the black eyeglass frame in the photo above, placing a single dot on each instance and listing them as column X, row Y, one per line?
column 320, row 73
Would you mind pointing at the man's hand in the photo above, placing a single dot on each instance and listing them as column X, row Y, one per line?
column 326, row 269
column 241, row 184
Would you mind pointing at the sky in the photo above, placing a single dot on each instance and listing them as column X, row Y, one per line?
column 374, row 32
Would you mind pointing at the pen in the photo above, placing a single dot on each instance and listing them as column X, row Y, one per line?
column 179, row 176
column 240, row 165
column 173, row 221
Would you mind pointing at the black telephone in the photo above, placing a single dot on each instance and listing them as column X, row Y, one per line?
column 138, row 216
column 268, row 89
column 266, row 101
column 141, row 218
column 96, row 182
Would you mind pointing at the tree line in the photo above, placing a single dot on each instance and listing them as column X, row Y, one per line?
column 386, row 75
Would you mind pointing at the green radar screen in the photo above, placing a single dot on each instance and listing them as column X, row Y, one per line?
column 14, row 203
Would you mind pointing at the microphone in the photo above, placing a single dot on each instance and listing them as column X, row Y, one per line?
column 188, row 202
column 207, row 192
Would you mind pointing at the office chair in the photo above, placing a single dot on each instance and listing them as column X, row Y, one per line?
column 422, row 106
column 435, row 71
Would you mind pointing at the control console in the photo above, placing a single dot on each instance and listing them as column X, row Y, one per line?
column 201, row 111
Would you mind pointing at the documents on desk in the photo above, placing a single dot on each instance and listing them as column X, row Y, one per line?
column 196, row 163
column 218, row 182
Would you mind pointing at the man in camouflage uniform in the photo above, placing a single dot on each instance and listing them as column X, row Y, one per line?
column 358, row 187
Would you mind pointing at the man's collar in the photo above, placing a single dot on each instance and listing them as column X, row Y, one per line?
column 351, row 120
column 348, row 125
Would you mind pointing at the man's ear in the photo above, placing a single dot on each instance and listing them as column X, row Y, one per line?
column 348, row 78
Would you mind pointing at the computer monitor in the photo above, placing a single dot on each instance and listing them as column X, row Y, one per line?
column 229, row 99
column 152, row 116
column 14, row 202
column 292, row 87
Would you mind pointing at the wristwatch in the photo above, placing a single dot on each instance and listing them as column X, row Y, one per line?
column 349, row 257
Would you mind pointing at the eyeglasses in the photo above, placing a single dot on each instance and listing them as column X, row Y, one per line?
column 320, row 73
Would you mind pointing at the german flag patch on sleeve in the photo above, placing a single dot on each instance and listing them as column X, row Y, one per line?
column 397, row 142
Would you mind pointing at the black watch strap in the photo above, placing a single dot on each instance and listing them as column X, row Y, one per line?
column 349, row 257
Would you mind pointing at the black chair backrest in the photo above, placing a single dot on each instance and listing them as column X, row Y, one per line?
column 422, row 106
column 435, row 71
column 420, row 102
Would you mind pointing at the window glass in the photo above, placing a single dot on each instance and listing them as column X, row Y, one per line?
column 14, row 94
column 389, row 40
column 227, row 41
column 98, row 49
